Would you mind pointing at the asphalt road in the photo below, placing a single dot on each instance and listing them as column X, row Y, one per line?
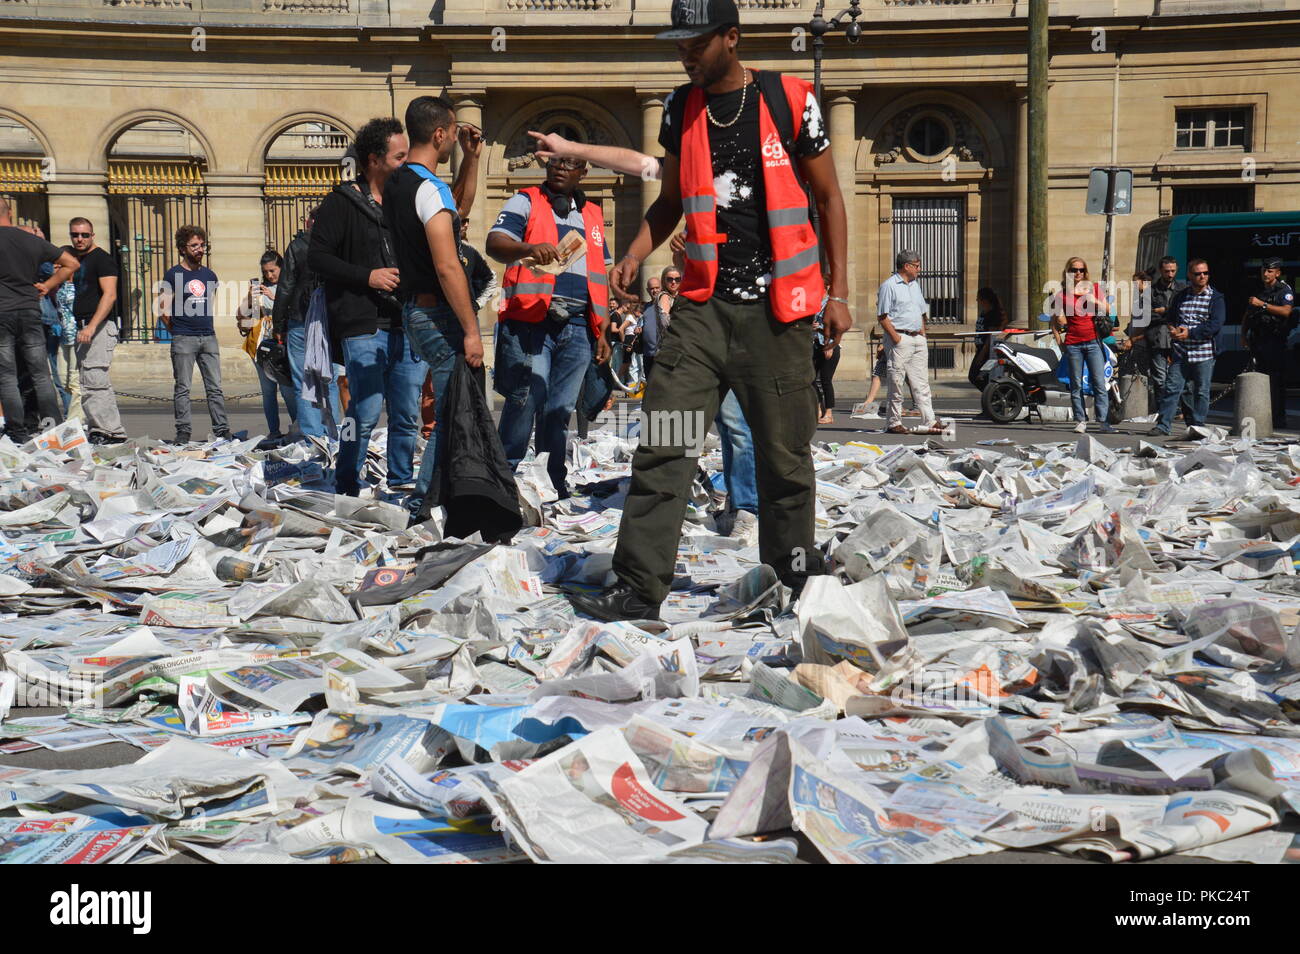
column 961, row 404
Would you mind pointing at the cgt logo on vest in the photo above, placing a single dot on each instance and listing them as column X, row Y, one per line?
column 597, row 237
column 773, row 152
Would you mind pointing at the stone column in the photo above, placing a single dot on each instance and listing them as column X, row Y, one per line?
column 469, row 109
column 237, row 231
column 1019, row 310
column 652, row 113
column 73, row 193
column 842, row 125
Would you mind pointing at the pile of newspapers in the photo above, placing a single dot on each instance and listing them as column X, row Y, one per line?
column 1051, row 647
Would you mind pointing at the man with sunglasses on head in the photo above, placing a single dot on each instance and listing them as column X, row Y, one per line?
column 550, row 325
column 97, row 333
column 1195, row 316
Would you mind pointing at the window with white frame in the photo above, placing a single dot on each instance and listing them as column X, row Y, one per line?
column 1212, row 128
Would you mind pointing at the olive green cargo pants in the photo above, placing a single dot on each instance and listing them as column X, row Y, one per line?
column 710, row 348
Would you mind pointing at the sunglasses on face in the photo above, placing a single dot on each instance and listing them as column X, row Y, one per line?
column 1206, row 272
column 81, row 234
column 1079, row 271
column 565, row 164
column 672, row 278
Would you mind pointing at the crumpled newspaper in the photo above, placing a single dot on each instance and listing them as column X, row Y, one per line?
column 1051, row 647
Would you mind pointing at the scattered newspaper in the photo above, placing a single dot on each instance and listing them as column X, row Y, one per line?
column 1060, row 647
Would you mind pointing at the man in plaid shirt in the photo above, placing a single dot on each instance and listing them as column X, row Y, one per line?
column 1194, row 316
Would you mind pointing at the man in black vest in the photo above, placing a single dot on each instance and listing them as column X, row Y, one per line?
column 422, row 213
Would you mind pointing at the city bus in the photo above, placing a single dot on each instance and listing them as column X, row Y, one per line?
column 1235, row 245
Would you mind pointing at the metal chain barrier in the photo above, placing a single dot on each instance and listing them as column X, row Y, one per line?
column 229, row 398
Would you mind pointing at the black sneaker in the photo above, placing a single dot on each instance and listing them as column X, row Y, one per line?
column 179, row 440
column 617, row 603
column 223, row 435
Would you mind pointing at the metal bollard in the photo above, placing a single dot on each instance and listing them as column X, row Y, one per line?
column 1253, row 410
column 1134, row 389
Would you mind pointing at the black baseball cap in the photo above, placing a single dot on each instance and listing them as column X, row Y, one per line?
column 1273, row 262
column 692, row 18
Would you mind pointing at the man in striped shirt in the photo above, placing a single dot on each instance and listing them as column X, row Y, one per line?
column 1194, row 316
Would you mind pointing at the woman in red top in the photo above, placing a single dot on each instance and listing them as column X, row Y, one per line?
column 1081, row 300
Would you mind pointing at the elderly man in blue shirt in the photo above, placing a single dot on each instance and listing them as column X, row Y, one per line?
column 903, row 310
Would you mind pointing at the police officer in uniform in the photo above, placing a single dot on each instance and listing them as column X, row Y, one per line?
column 1265, row 326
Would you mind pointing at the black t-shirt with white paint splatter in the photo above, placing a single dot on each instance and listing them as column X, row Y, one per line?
column 745, row 259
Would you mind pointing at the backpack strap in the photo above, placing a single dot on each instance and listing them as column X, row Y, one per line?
column 773, row 93
column 772, row 90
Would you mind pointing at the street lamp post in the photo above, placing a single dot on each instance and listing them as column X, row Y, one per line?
column 819, row 26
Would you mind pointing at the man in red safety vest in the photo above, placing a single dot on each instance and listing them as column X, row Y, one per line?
column 740, row 146
column 550, row 324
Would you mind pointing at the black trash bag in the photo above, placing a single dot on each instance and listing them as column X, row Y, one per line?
column 472, row 481
column 437, row 564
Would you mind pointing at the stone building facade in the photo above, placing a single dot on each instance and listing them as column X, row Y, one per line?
column 142, row 114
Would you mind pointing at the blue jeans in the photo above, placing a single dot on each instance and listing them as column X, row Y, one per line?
column 437, row 337
column 1181, row 372
column 310, row 421
column 271, row 406
column 52, row 343
column 737, row 455
column 1091, row 352
column 381, row 369
column 539, row 371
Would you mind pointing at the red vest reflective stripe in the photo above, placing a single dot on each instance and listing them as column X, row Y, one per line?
column 528, row 293
column 796, row 290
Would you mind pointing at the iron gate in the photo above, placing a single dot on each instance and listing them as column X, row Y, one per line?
column 934, row 228
column 291, row 192
column 285, row 216
column 23, row 186
column 148, row 201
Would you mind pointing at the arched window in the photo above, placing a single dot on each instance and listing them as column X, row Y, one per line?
column 303, row 163
column 155, row 185
column 24, row 171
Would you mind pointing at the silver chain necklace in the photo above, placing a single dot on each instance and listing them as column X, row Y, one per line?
column 744, row 90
